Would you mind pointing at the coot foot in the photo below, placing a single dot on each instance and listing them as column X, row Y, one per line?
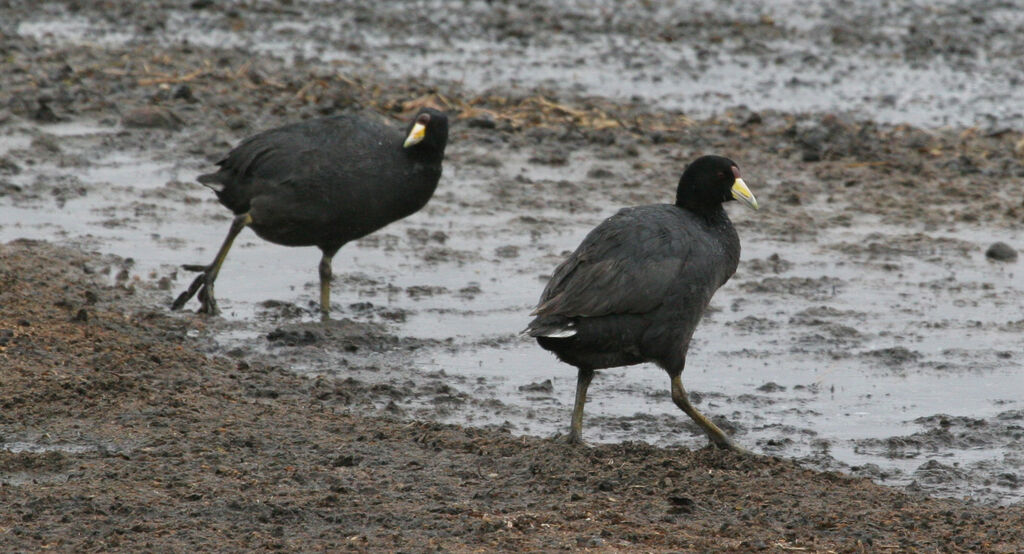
column 203, row 285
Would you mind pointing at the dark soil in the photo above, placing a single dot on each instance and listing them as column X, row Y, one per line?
column 138, row 442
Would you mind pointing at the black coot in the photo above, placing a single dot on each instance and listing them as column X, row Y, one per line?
column 637, row 286
column 323, row 182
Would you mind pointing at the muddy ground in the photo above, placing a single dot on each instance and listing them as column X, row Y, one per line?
column 119, row 434
column 867, row 337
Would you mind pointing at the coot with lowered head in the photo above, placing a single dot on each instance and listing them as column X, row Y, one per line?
column 323, row 182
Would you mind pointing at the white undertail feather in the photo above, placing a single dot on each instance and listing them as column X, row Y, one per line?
column 562, row 331
column 559, row 333
column 217, row 187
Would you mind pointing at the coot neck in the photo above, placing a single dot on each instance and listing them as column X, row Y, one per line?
column 422, row 176
column 425, row 154
column 719, row 226
column 712, row 214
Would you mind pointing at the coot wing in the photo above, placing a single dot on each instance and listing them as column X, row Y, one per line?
column 306, row 151
column 625, row 265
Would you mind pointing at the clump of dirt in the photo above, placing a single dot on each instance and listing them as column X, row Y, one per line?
column 944, row 432
column 818, row 288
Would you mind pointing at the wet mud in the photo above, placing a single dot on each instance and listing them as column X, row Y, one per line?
column 121, row 434
column 871, row 333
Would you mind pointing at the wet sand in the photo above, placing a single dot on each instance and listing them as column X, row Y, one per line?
column 865, row 333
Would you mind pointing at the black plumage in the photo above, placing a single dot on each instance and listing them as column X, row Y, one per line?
column 323, row 182
column 638, row 284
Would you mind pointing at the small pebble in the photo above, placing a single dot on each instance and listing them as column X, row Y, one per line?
column 1002, row 252
column 151, row 117
column 482, row 122
column 184, row 92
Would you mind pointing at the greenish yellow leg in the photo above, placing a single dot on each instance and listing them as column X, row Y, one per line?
column 716, row 435
column 204, row 282
column 325, row 288
column 583, row 379
column 239, row 223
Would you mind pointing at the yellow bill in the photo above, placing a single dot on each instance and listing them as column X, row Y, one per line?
column 416, row 135
column 742, row 193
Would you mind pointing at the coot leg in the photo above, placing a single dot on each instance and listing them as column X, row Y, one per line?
column 716, row 435
column 325, row 288
column 203, row 283
column 583, row 379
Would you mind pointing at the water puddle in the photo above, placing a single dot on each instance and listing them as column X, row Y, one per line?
column 842, row 345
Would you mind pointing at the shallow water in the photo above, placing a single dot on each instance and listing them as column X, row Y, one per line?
column 794, row 57
column 933, row 329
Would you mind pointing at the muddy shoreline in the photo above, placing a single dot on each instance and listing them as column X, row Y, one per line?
column 869, row 333
column 120, row 434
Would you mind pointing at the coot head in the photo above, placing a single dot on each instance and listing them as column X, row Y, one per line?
column 427, row 132
column 711, row 180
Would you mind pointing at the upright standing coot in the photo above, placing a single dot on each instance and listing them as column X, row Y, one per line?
column 637, row 286
column 323, row 182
